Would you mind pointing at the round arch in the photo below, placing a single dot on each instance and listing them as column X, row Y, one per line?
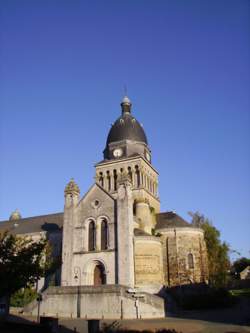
column 96, row 273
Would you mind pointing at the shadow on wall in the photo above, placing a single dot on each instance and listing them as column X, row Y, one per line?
column 50, row 227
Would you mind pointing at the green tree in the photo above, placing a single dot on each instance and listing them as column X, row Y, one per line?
column 22, row 262
column 218, row 251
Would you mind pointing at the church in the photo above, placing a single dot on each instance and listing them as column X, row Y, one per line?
column 118, row 250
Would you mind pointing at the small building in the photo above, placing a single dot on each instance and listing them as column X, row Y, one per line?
column 245, row 274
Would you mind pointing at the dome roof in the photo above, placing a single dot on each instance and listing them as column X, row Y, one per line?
column 126, row 127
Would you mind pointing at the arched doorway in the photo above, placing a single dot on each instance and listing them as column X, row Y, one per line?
column 95, row 273
column 99, row 275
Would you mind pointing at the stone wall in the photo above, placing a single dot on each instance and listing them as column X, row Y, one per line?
column 104, row 302
column 178, row 245
column 78, row 261
column 148, row 263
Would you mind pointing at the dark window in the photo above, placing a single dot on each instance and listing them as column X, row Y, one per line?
column 101, row 179
column 134, row 207
column 109, row 181
column 104, row 235
column 137, row 173
column 130, row 174
column 99, row 275
column 190, row 260
column 115, row 180
column 91, row 236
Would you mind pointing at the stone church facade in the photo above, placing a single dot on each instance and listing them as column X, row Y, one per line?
column 115, row 234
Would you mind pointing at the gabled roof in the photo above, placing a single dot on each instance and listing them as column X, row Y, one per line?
column 92, row 187
column 170, row 220
column 49, row 223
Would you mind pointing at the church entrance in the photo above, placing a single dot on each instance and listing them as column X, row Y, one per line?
column 99, row 275
column 96, row 274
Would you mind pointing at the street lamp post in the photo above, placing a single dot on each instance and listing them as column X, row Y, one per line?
column 39, row 299
column 77, row 278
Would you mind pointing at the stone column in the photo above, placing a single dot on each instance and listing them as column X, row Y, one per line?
column 85, row 237
column 125, row 233
column 69, row 222
column 143, row 215
column 142, row 178
column 105, row 182
column 146, row 182
column 98, row 236
column 133, row 178
column 111, row 182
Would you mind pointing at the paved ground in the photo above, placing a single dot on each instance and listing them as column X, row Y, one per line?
column 234, row 319
column 179, row 324
column 183, row 325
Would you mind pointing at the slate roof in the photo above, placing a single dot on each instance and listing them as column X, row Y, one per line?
column 170, row 220
column 126, row 127
column 139, row 232
column 50, row 223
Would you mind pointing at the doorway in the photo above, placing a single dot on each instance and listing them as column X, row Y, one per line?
column 99, row 275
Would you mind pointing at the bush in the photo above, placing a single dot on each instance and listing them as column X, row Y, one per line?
column 23, row 297
column 202, row 298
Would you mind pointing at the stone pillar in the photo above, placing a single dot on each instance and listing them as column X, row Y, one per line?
column 144, row 179
column 105, row 183
column 111, row 182
column 125, row 232
column 133, row 179
column 69, row 221
column 98, row 236
column 85, row 237
column 143, row 215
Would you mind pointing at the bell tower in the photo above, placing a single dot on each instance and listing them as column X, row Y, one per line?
column 127, row 153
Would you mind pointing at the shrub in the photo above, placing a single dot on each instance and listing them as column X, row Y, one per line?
column 23, row 297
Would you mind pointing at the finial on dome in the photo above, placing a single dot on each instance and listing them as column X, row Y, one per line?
column 72, row 188
column 15, row 215
column 126, row 105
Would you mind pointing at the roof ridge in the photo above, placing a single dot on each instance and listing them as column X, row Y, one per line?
column 32, row 217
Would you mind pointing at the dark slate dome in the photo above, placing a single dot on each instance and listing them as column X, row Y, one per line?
column 126, row 127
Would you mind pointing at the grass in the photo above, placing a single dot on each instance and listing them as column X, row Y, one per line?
column 240, row 292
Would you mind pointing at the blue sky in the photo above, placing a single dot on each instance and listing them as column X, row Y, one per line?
column 63, row 66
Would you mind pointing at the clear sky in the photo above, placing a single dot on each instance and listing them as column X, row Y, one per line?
column 63, row 66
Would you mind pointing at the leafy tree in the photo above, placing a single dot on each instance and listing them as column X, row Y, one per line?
column 23, row 297
column 240, row 264
column 22, row 262
column 218, row 251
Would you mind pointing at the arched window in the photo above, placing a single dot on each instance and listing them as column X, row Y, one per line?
column 109, row 181
column 115, row 180
column 92, row 236
column 104, row 235
column 101, row 179
column 190, row 261
column 137, row 173
column 134, row 207
column 130, row 174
